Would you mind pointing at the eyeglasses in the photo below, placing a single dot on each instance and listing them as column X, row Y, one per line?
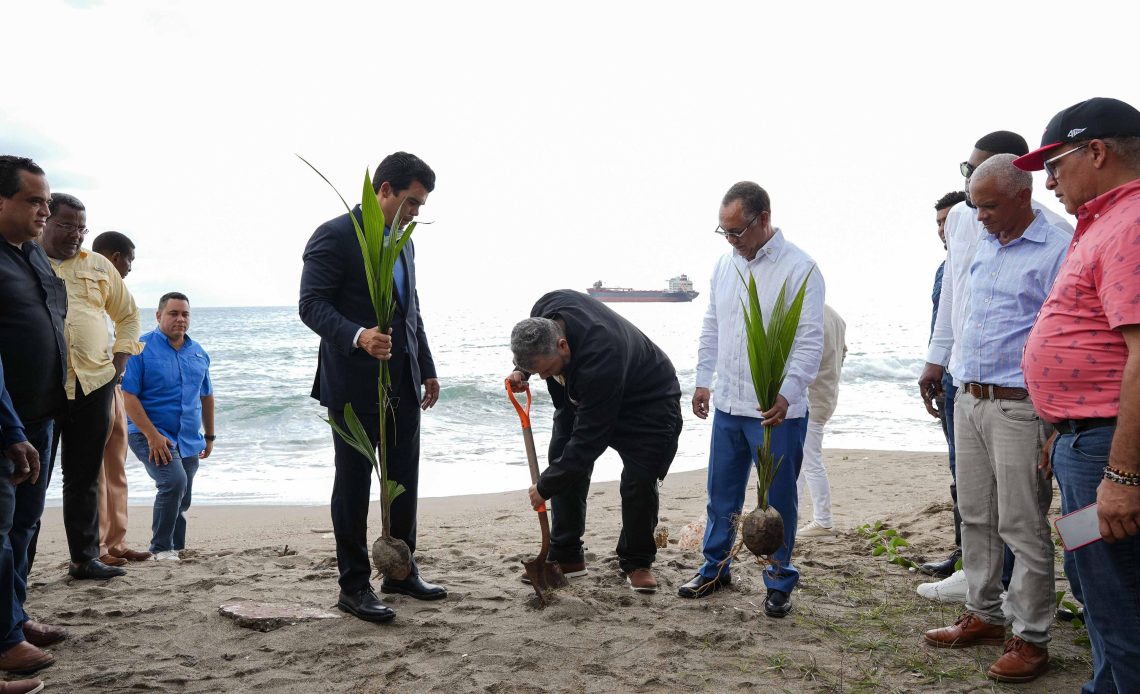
column 71, row 228
column 1051, row 164
column 736, row 234
column 967, row 169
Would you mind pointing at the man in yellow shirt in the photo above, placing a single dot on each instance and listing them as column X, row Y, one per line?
column 94, row 289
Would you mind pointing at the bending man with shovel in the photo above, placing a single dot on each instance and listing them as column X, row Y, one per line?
column 611, row 387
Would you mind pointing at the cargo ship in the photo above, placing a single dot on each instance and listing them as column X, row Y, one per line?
column 678, row 289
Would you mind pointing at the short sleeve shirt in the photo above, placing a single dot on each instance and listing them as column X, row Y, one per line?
column 1074, row 356
column 170, row 384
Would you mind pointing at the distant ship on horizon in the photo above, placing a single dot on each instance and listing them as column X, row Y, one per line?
column 678, row 289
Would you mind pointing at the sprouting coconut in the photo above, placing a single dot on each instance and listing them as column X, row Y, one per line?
column 392, row 558
column 379, row 252
column 762, row 529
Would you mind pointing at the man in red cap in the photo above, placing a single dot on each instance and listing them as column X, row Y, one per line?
column 1082, row 367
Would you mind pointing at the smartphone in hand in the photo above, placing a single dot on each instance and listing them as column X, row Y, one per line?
column 1079, row 528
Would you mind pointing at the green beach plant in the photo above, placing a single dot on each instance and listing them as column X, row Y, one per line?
column 769, row 347
column 379, row 252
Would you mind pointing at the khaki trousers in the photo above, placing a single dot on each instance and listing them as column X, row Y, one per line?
column 1004, row 497
column 113, row 483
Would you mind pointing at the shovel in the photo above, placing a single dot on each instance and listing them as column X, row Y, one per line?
column 544, row 576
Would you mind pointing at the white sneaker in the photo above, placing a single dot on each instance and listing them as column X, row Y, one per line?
column 168, row 555
column 951, row 589
column 1005, row 609
column 814, row 529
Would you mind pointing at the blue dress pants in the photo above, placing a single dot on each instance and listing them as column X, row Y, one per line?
column 732, row 456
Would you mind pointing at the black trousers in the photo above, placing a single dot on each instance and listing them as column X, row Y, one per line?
column 353, row 483
column 79, row 437
column 647, row 445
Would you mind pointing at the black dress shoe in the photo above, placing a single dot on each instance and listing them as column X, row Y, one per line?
column 778, row 604
column 1064, row 614
column 699, row 586
column 93, row 569
column 942, row 569
column 365, row 605
column 414, row 586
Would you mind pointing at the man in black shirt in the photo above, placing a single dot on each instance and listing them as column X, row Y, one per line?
column 611, row 387
column 33, row 302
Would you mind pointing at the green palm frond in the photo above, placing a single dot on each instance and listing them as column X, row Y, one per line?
column 360, row 443
column 769, row 348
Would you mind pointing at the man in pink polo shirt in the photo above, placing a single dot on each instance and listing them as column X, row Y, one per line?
column 1082, row 367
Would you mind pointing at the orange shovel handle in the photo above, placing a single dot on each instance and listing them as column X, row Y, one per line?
column 524, row 414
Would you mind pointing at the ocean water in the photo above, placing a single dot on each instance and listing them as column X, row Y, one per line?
column 274, row 448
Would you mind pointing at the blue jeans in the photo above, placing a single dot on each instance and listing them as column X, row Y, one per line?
column 1108, row 574
column 949, row 390
column 20, row 510
column 732, row 456
column 175, row 483
column 10, row 610
column 29, row 509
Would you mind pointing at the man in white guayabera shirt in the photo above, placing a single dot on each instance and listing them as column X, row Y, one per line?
column 761, row 250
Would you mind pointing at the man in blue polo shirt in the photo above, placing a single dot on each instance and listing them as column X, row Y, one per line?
column 169, row 399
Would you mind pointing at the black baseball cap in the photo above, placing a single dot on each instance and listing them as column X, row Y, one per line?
column 1094, row 119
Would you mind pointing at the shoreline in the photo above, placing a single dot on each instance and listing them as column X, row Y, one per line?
column 145, row 499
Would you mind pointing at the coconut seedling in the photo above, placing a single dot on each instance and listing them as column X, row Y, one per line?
column 769, row 347
column 379, row 251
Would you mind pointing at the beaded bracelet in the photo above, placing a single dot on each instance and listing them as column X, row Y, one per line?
column 1126, row 481
column 1121, row 473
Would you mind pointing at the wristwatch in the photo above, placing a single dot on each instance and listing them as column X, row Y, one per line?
column 209, row 437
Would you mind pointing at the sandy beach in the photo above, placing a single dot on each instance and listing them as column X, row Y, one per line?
column 856, row 623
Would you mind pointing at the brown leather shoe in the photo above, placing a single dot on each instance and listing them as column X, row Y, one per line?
column 1021, row 662
column 24, row 658
column 41, row 635
column 130, row 555
column 969, row 630
column 21, row 687
column 110, row 560
column 642, row 581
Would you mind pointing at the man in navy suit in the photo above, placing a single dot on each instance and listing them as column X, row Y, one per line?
column 335, row 304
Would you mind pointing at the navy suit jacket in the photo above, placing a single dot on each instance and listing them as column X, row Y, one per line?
column 335, row 304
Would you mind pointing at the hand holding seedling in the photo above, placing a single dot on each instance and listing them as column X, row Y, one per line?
column 376, row 343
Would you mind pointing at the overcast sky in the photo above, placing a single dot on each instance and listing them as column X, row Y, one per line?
column 572, row 141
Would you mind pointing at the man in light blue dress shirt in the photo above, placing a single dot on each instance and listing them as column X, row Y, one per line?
column 1003, row 495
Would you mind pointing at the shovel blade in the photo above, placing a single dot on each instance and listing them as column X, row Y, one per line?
column 544, row 576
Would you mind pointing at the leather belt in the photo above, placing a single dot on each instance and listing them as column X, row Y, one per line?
column 988, row 391
column 1076, row 426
